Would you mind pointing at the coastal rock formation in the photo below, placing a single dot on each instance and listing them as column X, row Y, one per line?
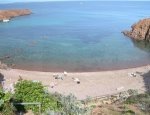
column 140, row 30
column 3, row 66
column 8, row 14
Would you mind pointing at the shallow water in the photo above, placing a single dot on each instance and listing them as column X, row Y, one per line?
column 74, row 36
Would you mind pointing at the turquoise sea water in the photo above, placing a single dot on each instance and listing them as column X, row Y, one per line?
column 74, row 36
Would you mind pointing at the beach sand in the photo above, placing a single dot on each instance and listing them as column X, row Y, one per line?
column 92, row 83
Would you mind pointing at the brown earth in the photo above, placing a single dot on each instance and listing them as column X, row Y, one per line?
column 8, row 14
column 117, row 109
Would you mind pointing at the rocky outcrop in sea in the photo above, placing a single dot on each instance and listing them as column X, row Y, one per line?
column 140, row 30
column 8, row 14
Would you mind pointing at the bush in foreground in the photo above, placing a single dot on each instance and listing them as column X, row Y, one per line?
column 34, row 92
column 142, row 101
column 28, row 91
column 71, row 106
column 6, row 107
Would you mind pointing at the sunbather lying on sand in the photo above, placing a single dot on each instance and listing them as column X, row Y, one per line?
column 76, row 80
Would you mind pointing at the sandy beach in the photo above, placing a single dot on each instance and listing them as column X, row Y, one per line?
column 91, row 83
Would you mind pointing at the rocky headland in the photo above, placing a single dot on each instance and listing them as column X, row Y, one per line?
column 8, row 14
column 140, row 30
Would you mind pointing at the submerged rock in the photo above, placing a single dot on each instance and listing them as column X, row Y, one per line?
column 143, row 45
column 140, row 30
column 6, row 15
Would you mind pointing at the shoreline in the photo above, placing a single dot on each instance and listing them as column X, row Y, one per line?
column 78, row 70
column 92, row 84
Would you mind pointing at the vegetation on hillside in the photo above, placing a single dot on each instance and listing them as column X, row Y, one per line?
column 133, row 105
column 52, row 104
column 142, row 101
column 5, row 106
column 34, row 92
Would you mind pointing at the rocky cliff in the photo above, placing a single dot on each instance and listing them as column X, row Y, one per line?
column 140, row 30
column 8, row 14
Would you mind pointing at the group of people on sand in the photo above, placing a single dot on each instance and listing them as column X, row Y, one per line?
column 62, row 76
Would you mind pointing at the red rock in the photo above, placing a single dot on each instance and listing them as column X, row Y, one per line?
column 140, row 30
column 8, row 14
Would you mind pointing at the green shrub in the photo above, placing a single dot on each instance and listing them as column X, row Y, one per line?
column 141, row 100
column 129, row 112
column 70, row 105
column 138, row 99
column 6, row 107
column 131, row 100
column 28, row 91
